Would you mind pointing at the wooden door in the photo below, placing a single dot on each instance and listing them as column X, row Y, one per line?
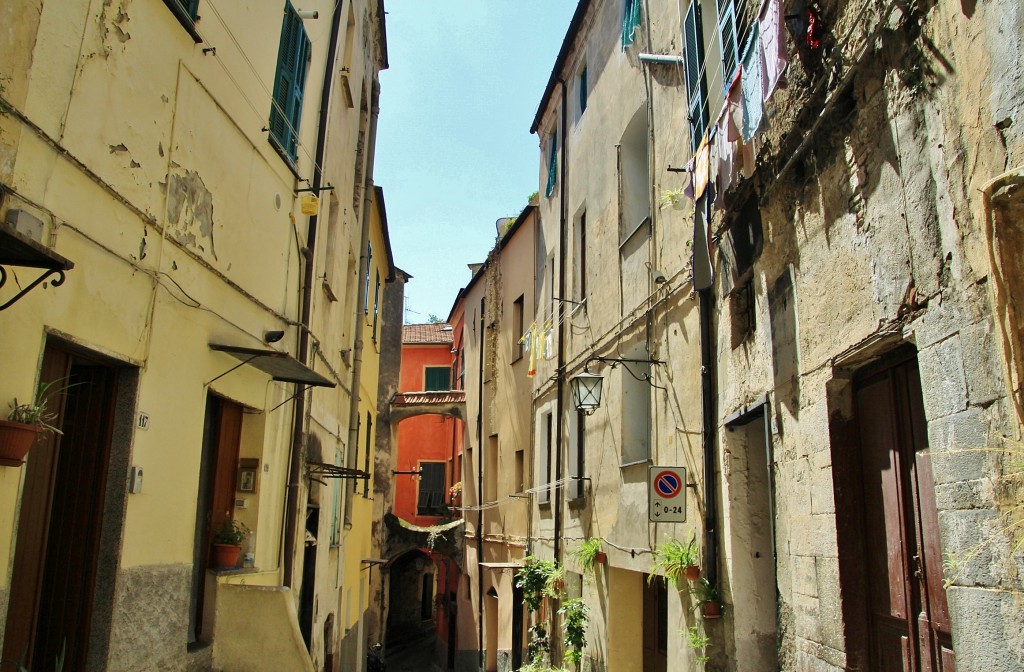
column 61, row 519
column 655, row 644
column 907, row 610
column 215, row 503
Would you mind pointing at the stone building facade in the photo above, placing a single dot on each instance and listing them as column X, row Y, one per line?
column 822, row 331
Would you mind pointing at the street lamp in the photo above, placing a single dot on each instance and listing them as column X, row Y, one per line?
column 586, row 391
column 586, row 386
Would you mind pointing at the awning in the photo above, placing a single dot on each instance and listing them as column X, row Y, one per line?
column 501, row 565
column 279, row 365
column 17, row 249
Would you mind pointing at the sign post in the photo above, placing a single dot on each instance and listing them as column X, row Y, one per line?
column 666, row 487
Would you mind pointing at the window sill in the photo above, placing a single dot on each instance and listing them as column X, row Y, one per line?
column 288, row 161
column 628, row 237
column 516, row 358
column 635, row 463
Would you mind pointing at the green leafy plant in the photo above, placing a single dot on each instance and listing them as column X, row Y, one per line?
column 672, row 558
column 586, row 554
column 697, row 640
column 705, row 591
column 539, row 579
column 1008, row 490
column 577, row 615
column 36, row 412
column 670, row 198
column 231, row 533
column 538, row 647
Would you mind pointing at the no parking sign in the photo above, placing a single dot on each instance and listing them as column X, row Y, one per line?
column 667, row 494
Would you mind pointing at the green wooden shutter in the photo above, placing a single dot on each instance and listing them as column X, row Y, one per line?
column 289, row 85
column 552, row 165
column 696, row 79
column 437, row 379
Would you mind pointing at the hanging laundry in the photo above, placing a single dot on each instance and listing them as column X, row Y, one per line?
column 723, row 163
column 532, row 335
column 703, row 271
column 548, row 339
column 734, row 107
column 689, row 189
column 752, row 84
column 747, row 161
column 774, row 57
column 700, row 168
column 815, row 30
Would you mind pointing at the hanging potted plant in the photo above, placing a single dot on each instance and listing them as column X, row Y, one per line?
column 227, row 543
column 26, row 423
column 589, row 554
column 577, row 614
column 707, row 599
column 676, row 561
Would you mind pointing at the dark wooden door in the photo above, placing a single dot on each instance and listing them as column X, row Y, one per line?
column 655, row 638
column 215, row 501
column 61, row 519
column 907, row 610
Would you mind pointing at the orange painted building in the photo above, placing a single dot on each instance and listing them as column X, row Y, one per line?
column 426, row 443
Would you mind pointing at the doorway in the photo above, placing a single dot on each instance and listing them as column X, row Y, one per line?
column 222, row 434
column 655, row 651
column 907, row 614
column 69, row 528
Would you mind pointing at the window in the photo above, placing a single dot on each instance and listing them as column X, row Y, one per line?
column 376, row 306
column 366, row 456
column 335, row 517
column 734, row 21
column 520, row 473
column 437, row 378
column 581, row 256
column 577, row 455
column 581, row 91
column 289, row 84
column 431, row 497
column 544, row 470
column 517, row 329
column 696, row 79
column 552, row 164
column 630, row 22
column 187, row 13
column 636, row 408
column 635, row 175
column 366, row 289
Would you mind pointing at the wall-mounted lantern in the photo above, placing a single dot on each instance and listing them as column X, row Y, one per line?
column 586, row 386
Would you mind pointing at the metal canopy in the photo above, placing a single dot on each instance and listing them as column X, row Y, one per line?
column 17, row 249
column 280, row 365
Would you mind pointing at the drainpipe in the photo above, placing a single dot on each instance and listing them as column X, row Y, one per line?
column 299, row 414
column 480, row 489
column 707, row 385
column 562, row 242
column 362, row 289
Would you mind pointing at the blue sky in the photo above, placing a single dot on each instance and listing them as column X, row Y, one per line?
column 454, row 149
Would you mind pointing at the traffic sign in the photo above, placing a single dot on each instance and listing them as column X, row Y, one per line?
column 666, row 488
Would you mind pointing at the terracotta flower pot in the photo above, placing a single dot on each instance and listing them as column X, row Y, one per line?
column 691, row 572
column 225, row 556
column 711, row 609
column 600, row 558
column 15, row 441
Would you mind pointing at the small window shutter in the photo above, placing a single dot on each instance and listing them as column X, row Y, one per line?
column 292, row 64
column 437, row 379
column 696, row 81
column 431, row 496
column 552, row 165
column 727, row 40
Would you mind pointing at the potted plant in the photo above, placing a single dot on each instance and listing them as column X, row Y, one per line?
column 589, row 554
column 539, row 579
column 227, row 543
column 707, row 598
column 26, row 423
column 677, row 561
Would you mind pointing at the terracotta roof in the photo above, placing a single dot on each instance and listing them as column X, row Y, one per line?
column 441, row 332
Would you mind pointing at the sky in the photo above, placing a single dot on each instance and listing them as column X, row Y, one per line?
column 454, row 151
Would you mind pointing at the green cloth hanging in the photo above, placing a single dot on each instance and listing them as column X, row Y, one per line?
column 630, row 22
column 552, row 166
